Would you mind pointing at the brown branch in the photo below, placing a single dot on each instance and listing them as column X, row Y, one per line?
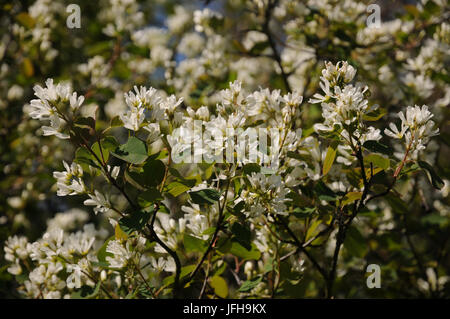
column 214, row 237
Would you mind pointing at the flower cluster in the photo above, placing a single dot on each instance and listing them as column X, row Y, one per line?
column 57, row 263
column 416, row 128
column 229, row 155
column 52, row 104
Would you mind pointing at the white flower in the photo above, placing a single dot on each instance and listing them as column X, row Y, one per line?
column 51, row 92
column 78, row 275
column 133, row 118
column 75, row 102
column 417, row 126
column 98, row 200
column 49, row 105
column 394, row 132
column 142, row 97
column 154, row 132
column 293, row 99
column 202, row 113
column 70, row 182
column 55, row 128
column 150, row 36
column 433, row 283
column 15, row 92
column 158, row 264
column 341, row 71
column 198, row 221
column 41, row 109
column 415, row 116
column 114, row 171
column 16, row 248
column 15, row 269
column 202, row 19
column 68, row 220
column 168, row 229
column 318, row 98
column 421, row 84
column 170, row 104
column 269, row 192
column 121, row 254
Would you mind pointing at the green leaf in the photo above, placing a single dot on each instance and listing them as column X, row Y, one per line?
column 251, row 168
column 186, row 270
column 192, row 244
column 398, row 205
column 324, row 192
column 355, row 243
column 374, row 115
column 109, row 143
column 242, row 234
column 205, row 196
column 219, row 285
column 237, row 209
column 312, row 230
column 99, row 48
column 268, row 267
column 86, row 292
column 435, row 219
column 240, row 251
column 150, row 196
column 329, row 157
column 134, row 151
column 250, row 284
column 136, row 221
column 21, row 278
column 412, row 9
column 119, row 233
column 102, row 253
column 377, row 147
column 153, row 172
column 176, row 188
column 298, row 156
column 435, row 180
column 85, row 122
column 84, row 158
column 209, row 231
column 26, row 20
column 377, row 160
column 27, row 67
column 304, row 212
column 259, row 47
column 79, row 134
column 351, row 197
column 116, row 121
column 135, row 179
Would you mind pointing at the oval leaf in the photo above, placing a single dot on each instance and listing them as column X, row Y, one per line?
column 134, row 151
column 329, row 158
column 219, row 285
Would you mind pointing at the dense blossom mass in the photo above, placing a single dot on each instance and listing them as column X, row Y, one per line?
column 243, row 149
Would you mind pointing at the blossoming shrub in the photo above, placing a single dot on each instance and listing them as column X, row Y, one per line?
column 257, row 149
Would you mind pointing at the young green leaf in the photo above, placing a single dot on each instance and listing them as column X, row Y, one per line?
column 242, row 234
column 136, row 221
column 192, row 243
column 377, row 160
column 329, row 158
column 351, row 197
column 377, row 147
column 219, row 285
column 205, row 196
column 134, row 151
column 434, row 178
column 250, row 284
